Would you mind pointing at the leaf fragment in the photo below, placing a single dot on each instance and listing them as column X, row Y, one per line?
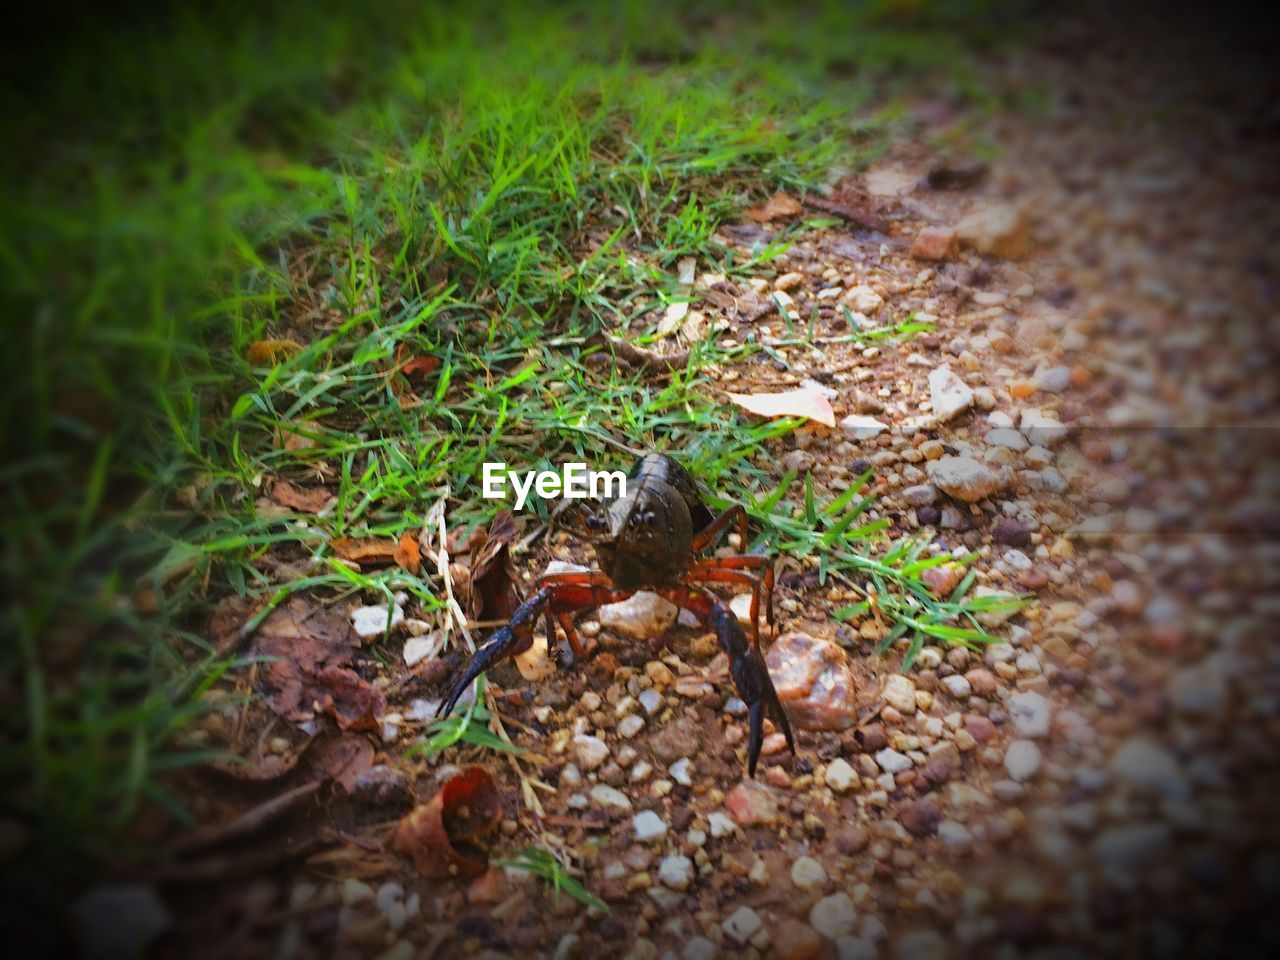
column 801, row 402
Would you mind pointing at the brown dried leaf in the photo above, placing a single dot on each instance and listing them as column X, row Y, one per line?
column 440, row 836
column 407, row 555
column 304, row 642
column 420, row 366
column 312, row 500
column 351, row 701
column 342, row 759
column 493, row 576
column 779, row 206
column 365, row 550
column 271, row 351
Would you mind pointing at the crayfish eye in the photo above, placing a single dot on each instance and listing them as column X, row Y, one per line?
column 595, row 521
column 648, row 516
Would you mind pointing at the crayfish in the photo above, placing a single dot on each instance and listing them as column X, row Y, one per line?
column 649, row 539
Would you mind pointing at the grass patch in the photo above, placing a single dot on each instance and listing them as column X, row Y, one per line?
column 543, row 864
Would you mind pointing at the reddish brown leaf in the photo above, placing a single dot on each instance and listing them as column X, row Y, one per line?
column 420, row 366
column 302, row 643
column 352, row 702
column 365, row 550
column 406, row 554
column 777, row 207
column 311, row 500
column 340, row 758
column 379, row 553
column 493, row 583
column 441, row 835
column 271, row 351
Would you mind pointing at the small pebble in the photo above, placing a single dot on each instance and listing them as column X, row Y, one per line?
column 808, row 874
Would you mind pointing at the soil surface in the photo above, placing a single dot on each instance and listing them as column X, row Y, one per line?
column 1089, row 415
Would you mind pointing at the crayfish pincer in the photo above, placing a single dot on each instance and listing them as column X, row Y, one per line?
column 650, row 539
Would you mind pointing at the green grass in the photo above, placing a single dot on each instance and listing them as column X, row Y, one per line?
column 491, row 188
column 543, row 864
column 469, row 726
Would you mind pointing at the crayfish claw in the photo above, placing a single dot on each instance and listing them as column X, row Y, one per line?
column 751, row 677
column 490, row 652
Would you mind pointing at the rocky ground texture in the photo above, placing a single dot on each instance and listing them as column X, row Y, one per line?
column 1089, row 415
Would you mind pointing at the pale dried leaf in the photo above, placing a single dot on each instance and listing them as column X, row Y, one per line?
column 776, row 207
column 673, row 317
column 804, row 402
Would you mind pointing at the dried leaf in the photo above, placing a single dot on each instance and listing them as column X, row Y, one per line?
column 779, row 206
column 365, row 550
column 342, row 759
column 350, row 700
column 272, row 351
column 493, row 592
column 673, row 317
column 314, row 500
column 372, row 551
column 694, row 326
column 418, row 366
column 289, row 435
column 440, row 836
column 407, row 555
column 804, row 402
column 301, row 642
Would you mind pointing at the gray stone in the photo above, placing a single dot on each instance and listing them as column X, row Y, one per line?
column 948, row 393
column 859, row 427
column 891, row 761
column 1150, row 770
column 1031, row 714
column 920, row 495
column 676, row 872
column 966, row 478
column 642, row 616
column 833, row 916
column 1022, row 760
column 648, row 826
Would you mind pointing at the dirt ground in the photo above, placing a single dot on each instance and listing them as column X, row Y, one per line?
column 1098, row 784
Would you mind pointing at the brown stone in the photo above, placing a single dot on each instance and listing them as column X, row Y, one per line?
column 794, row 940
column 934, row 243
column 752, row 803
column 920, row 818
column 982, row 682
column 815, row 682
column 980, row 728
column 872, row 738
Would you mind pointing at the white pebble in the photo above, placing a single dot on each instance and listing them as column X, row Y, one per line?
column 648, row 826
column 840, row 776
column 808, row 874
column 676, row 872
column 1022, row 760
column 742, row 925
column 833, row 916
